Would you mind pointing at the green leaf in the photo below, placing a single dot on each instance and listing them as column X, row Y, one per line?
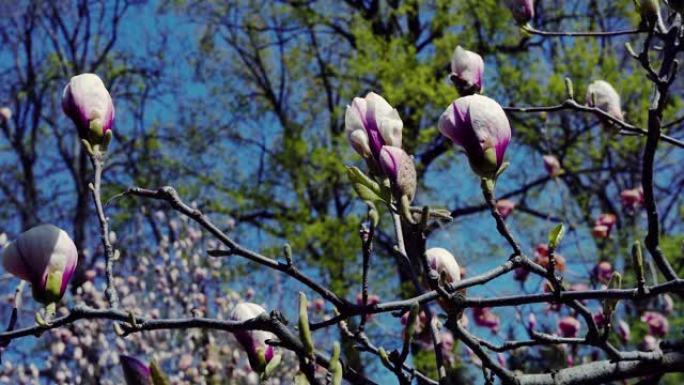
column 272, row 365
column 555, row 235
column 367, row 189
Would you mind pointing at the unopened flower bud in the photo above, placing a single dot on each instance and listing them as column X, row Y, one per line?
column 135, row 371
column 44, row 256
column 569, row 327
column 602, row 95
column 253, row 341
column 88, row 103
column 399, row 168
column 552, row 166
column 479, row 125
column 505, row 207
column 522, row 10
column 370, row 123
column 633, row 198
column 467, row 70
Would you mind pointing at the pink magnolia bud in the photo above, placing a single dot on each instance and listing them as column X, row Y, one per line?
column 658, row 326
column 632, row 198
column 88, row 103
column 135, row 371
column 569, row 327
column 467, row 69
column 552, row 166
column 602, row 95
column 479, row 125
column 600, row 319
column 253, row 341
column 399, row 168
column 442, row 262
column 522, row 10
column 623, row 331
column 371, row 123
column 505, row 207
column 5, row 114
column 541, row 254
column 531, row 321
column 600, row 231
column 484, row 317
column 604, row 224
column 46, row 257
column 603, row 271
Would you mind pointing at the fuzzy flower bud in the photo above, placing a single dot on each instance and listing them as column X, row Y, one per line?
column 505, row 207
column 602, row 95
column 253, row 341
column 46, row 257
column 467, row 69
column 552, row 166
column 568, row 327
column 88, row 103
column 442, row 262
column 399, row 168
column 370, row 123
column 658, row 326
column 135, row 371
column 522, row 10
column 479, row 125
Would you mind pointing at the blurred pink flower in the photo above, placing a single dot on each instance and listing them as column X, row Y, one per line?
column 658, row 325
column 569, row 327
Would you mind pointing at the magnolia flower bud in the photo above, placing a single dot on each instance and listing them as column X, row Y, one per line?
column 603, row 96
column 531, row 321
column 5, row 114
column 505, row 207
column 399, row 168
column 623, row 331
column 552, row 166
column 88, row 103
column 522, row 10
column 135, row 371
column 484, row 317
column 46, row 257
column 569, row 327
column 632, row 198
column 467, row 69
column 442, row 262
column 253, row 341
column 658, row 326
column 371, row 123
column 603, row 225
column 541, row 253
column 603, row 271
column 479, row 125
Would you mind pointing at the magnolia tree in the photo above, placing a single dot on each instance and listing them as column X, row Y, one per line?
column 587, row 339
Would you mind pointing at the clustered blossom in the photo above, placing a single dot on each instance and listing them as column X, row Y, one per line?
column 87, row 102
column 602, row 95
column 44, row 256
column 568, row 327
column 522, row 10
column 467, row 71
column 505, row 207
column 603, row 225
column 253, row 341
column 479, row 125
column 371, row 123
column 552, row 166
column 658, row 326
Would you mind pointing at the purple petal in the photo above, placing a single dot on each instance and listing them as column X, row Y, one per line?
column 135, row 372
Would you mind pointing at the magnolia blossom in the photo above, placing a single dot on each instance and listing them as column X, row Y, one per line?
column 632, row 198
column 479, row 125
column 371, row 123
column 600, row 319
column 443, row 263
column 5, row 114
column 603, row 225
column 88, row 103
column 505, row 207
column 603, row 96
column 373, row 300
column 541, row 253
column 399, row 168
column 135, row 371
column 649, row 343
column 603, row 271
column 552, row 166
column 253, row 341
column 467, row 69
column 484, row 317
column 520, row 274
column 667, row 304
column 46, row 257
column 569, row 327
column 623, row 331
column 658, row 325
column 522, row 10
column 531, row 321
